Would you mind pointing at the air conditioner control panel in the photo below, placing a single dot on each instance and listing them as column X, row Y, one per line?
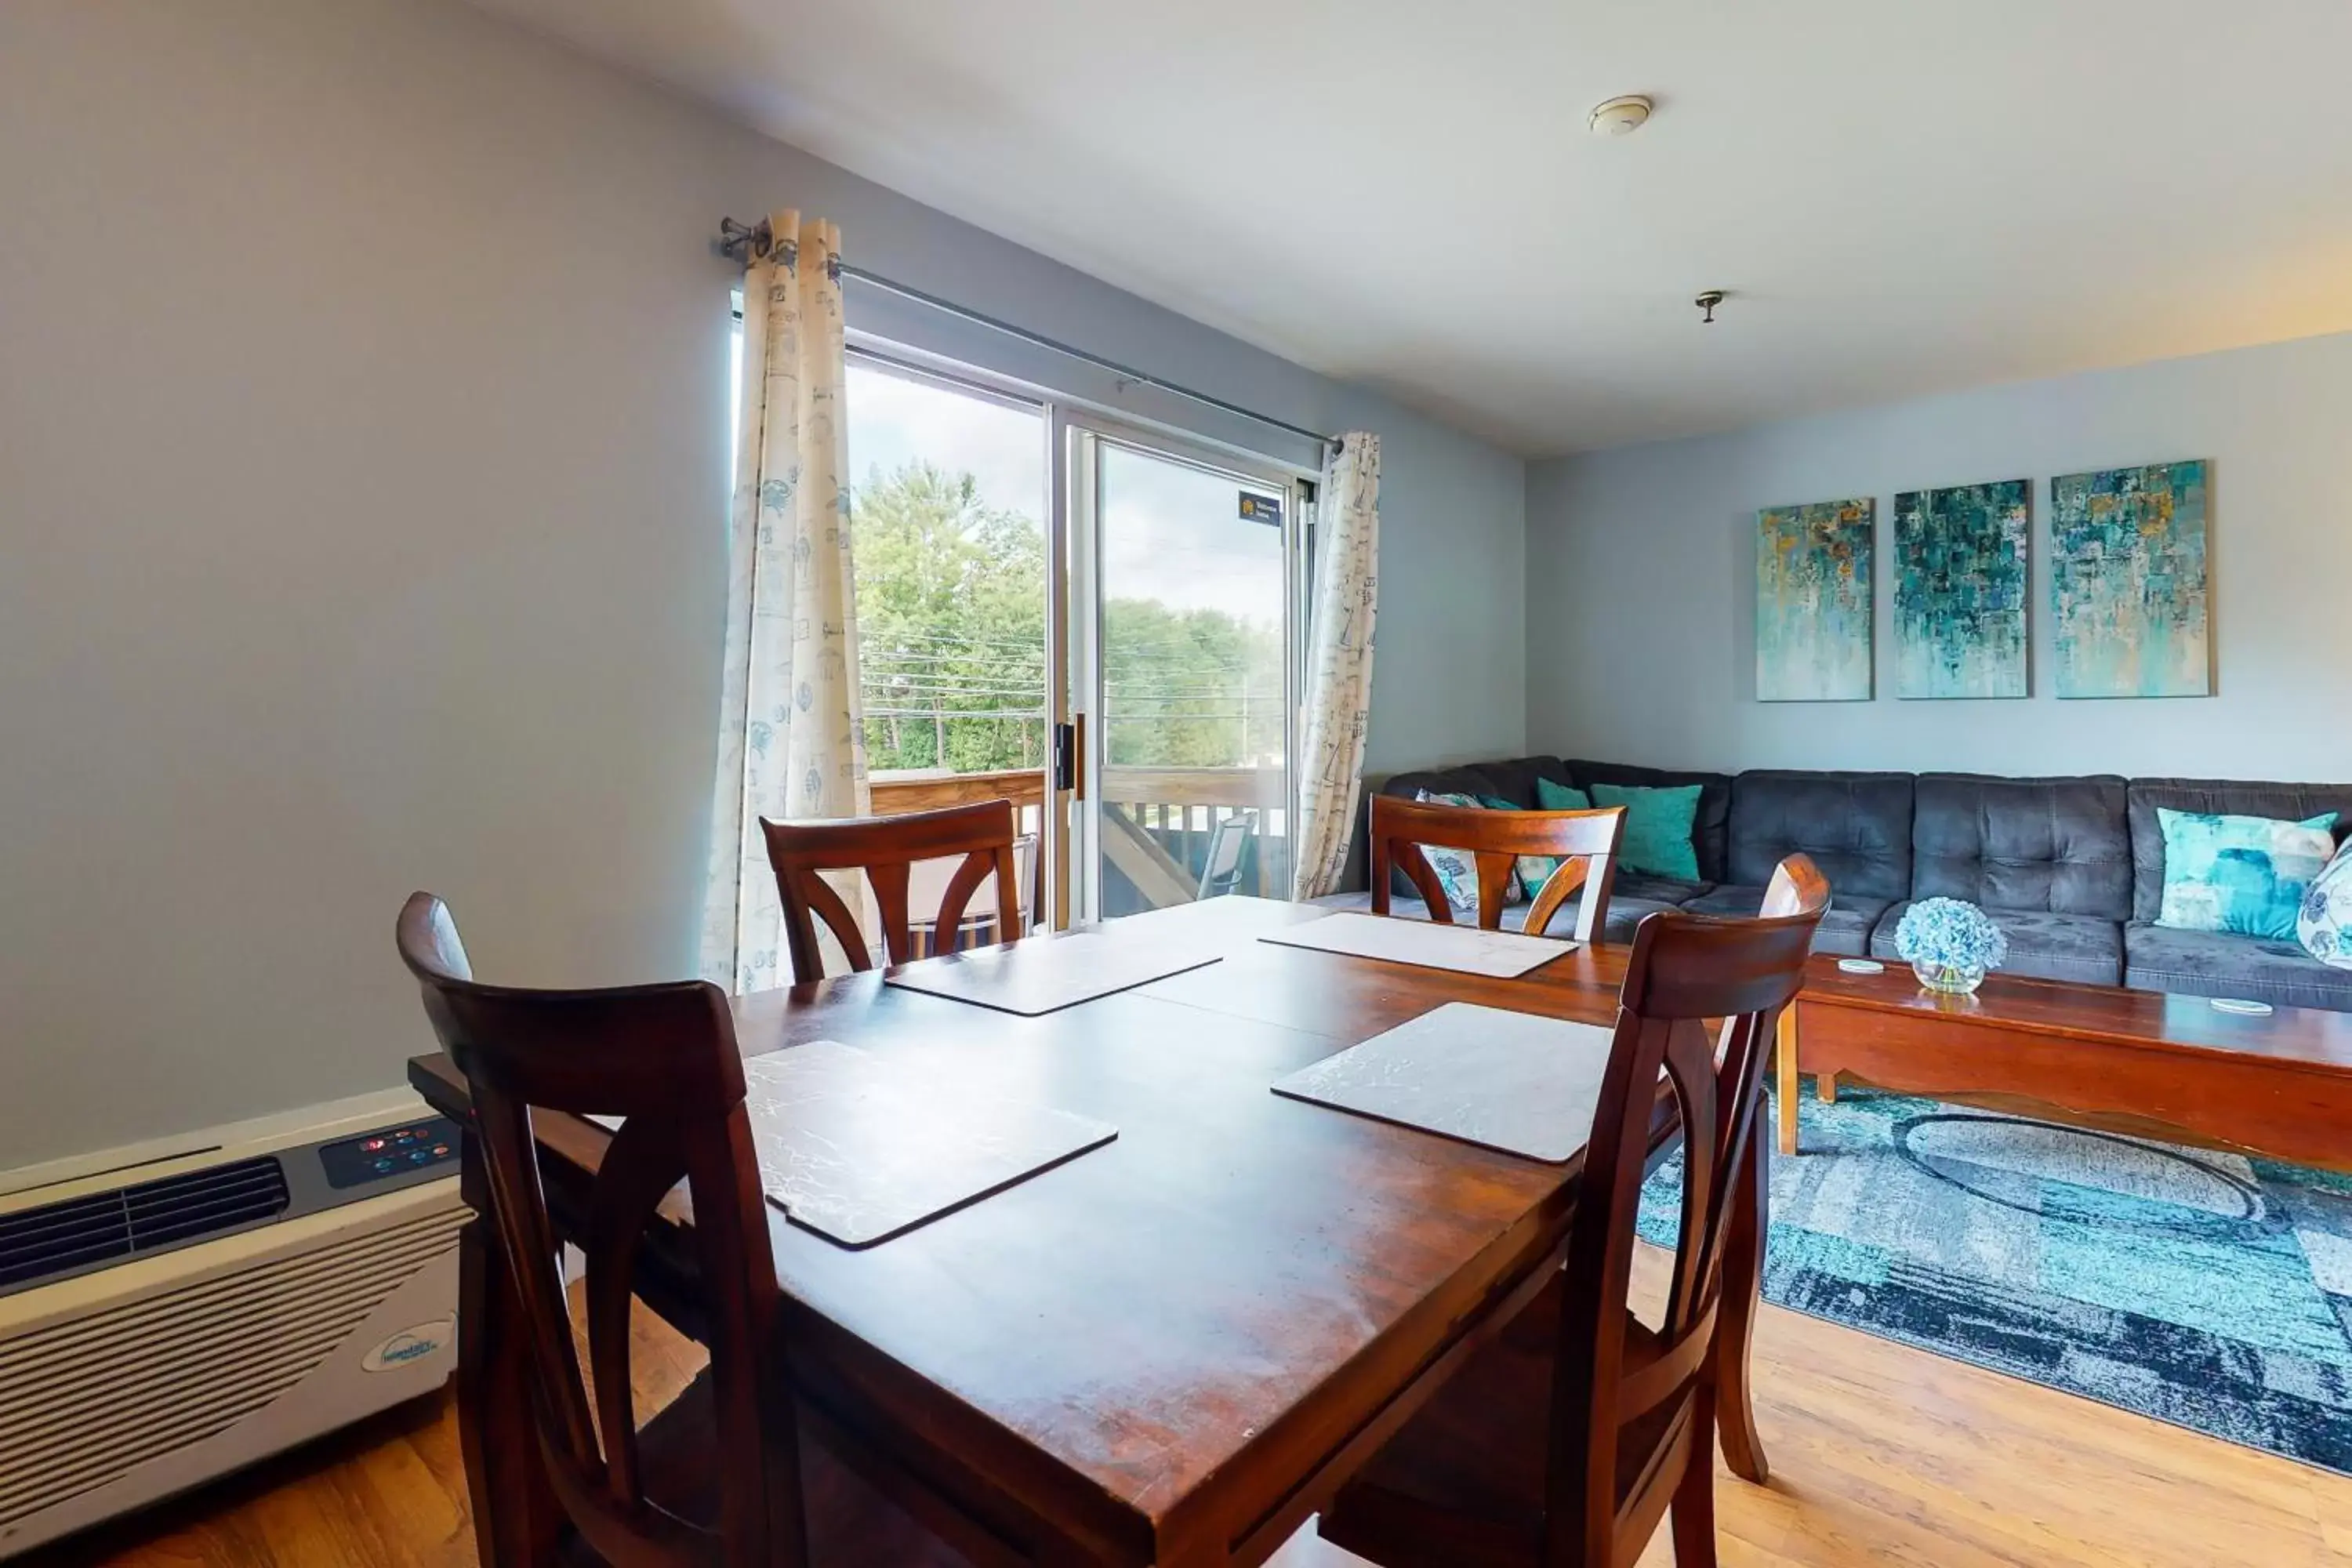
column 390, row 1153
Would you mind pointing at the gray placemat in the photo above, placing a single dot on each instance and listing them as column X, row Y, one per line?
column 1512, row 1082
column 858, row 1149
column 1046, row 973
column 1465, row 950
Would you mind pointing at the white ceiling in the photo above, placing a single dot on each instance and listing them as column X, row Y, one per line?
column 1902, row 195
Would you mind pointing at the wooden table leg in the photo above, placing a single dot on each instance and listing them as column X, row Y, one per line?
column 1784, row 1099
column 516, row 1516
column 1743, row 1289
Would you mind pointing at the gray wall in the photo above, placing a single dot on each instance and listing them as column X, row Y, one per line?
column 1640, row 577
column 361, row 504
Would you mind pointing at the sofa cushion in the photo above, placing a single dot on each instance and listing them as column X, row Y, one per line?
column 2220, row 963
column 1711, row 831
column 1656, row 890
column 2043, row 946
column 1856, row 828
column 1624, row 915
column 2292, row 802
column 1509, row 778
column 1845, row 926
column 2057, row 845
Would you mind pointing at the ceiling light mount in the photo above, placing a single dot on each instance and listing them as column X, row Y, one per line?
column 1706, row 303
column 1620, row 116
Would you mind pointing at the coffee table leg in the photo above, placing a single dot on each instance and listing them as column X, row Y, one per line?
column 1743, row 1287
column 1784, row 1102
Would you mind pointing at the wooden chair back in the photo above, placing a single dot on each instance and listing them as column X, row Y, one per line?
column 1685, row 970
column 662, row 1057
column 884, row 848
column 1585, row 842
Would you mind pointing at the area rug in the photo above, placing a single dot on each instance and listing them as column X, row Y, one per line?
column 2203, row 1288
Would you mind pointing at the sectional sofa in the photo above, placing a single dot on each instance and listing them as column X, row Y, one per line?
column 2073, row 869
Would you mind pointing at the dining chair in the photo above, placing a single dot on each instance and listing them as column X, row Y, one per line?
column 1561, row 1443
column 927, row 885
column 719, row 1478
column 1584, row 842
column 884, row 848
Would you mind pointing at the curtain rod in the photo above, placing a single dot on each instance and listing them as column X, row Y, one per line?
column 740, row 240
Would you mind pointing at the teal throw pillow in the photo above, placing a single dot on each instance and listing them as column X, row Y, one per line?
column 1458, row 870
column 1658, row 827
column 1535, row 870
column 2246, row 875
column 1550, row 796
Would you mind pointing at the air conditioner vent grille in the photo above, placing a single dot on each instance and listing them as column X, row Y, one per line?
column 85, row 1401
column 68, row 1237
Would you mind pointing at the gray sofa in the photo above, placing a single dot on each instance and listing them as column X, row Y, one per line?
column 2073, row 869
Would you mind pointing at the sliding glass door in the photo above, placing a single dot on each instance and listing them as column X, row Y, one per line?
column 1096, row 622
column 1185, row 581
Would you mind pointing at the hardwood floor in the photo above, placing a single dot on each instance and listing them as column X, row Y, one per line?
column 1881, row 1454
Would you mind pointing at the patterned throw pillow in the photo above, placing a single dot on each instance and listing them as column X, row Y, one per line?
column 2325, row 926
column 1535, row 870
column 1658, row 827
column 1458, row 870
column 2241, row 874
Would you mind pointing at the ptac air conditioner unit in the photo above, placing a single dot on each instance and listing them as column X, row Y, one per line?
column 175, row 1311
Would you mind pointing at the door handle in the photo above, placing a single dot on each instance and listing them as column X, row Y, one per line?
column 1070, row 756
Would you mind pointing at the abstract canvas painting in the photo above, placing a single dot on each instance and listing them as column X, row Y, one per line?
column 1813, row 601
column 1960, row 560
column 2127, row 581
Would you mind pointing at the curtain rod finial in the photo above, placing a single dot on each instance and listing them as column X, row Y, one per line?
column 741, row 240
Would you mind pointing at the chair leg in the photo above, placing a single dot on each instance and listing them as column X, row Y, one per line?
column 516, row 1520
column 1731, row 1395
column 1694, row 1504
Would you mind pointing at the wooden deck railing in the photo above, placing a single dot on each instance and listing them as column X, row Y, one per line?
column 1258, row 788
column 1174, row 810
column 932, row 791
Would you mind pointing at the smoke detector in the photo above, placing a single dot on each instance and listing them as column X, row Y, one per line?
column 1621, row 116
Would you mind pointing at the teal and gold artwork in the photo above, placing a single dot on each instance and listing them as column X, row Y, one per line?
column 1813, row 601
column 1960, row 558
column 2128, row 582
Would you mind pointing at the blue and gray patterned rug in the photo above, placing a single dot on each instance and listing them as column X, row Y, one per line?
column 2203, row 1288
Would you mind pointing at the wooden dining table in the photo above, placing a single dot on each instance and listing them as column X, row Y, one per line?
column 1175, row 1348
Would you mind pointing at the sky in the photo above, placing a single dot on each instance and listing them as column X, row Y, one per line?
column 1172, row 532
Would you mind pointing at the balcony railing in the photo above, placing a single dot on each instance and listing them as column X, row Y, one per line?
column 1161, row 821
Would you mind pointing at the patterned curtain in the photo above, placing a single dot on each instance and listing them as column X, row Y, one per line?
column 1340, row 663
column 791, row 738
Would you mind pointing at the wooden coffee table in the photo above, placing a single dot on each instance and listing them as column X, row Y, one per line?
column 2145, row 1062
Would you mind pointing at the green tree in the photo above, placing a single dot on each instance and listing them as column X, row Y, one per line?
column 952, row 624
column 1189, row 688
column 951, row 632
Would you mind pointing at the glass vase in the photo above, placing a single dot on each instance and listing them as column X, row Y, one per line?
column 1948, row 979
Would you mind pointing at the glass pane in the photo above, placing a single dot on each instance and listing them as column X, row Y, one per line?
column 948, row 500
column 1193, row 735
column 948, row 505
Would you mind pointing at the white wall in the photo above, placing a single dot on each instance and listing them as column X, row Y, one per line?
column 1641, row 561
column 361, row 502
